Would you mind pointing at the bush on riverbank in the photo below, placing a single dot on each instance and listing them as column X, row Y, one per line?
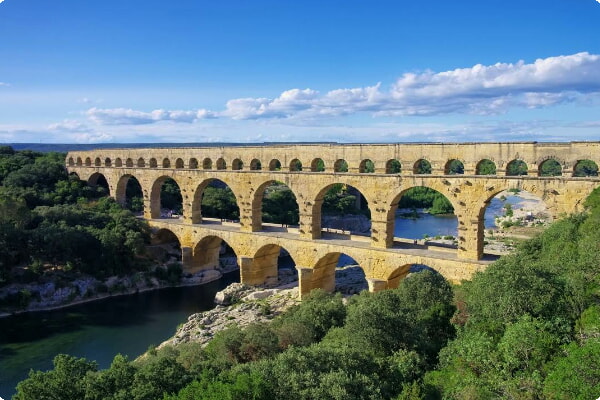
column 50, row 221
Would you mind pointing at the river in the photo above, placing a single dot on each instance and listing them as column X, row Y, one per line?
column 444, row 225
column 130, row 324
column 98, row 330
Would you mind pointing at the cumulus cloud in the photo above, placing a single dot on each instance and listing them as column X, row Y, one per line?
column 127, row 116
column 69, row 125
column 478, row 90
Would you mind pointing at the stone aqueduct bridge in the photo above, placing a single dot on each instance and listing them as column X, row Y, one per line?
column 385, row 260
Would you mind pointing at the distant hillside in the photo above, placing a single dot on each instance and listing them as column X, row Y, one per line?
column 65, row 147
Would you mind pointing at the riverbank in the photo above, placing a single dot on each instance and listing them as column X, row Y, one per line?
column 56, row 292
column 241, row 305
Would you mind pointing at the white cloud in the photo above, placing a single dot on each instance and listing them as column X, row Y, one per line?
column 69, row 125
column 478, row 90
column 125, row 116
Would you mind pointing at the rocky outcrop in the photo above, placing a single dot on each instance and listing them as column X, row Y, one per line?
column 251, row 305
column 241, row 305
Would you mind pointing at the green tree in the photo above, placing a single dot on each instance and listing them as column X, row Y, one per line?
column 575, row 375
column 486, row 167
column 64, row 382
column 586, row 168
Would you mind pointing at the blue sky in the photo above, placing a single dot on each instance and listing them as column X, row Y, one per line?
column 78, row 71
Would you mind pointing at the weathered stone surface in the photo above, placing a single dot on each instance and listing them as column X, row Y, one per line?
column 380, row 255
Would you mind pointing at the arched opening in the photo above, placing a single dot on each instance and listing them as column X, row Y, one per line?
column 485, row 167
column 516, row 168
column 550, row 167
column 277, row 204
column 213, row 199
column 221, row 164
column 255, row 165
column 99, row 182
column 118, row 162
column 317, row 165
column 340, row 166
column 585, row 168
column 394, row 279
column 454, row 167
column 366, row 167
column 212, row 252
column 165, row 198
column 79, row 162
column 509, row 216
column 166, row 248
column 421, row 167
column 271, row 265
column 166, row 163
column 341, row 211
column 134, row 195
column 107, row 162
column 129, row 163
column 295, row 165
column 237, row 164
column 393, row 166
column 422, row 216
column 338, row 272
column 88, row 162
column 275, row 165
column 193, row 164
column 98, row 162
column 349, row 276
column 207, row 163
column 71, row 161
column 179, row 163
column 141, row 163
column 153, row 163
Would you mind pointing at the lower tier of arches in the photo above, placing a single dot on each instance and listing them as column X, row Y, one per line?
column 315, row 260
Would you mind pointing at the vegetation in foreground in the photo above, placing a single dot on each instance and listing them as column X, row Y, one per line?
column 526, row 328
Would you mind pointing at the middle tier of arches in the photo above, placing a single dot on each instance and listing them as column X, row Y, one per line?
column 469, row 197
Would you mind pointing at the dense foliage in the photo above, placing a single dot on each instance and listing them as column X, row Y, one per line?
column 526, row 328
column 424, row 197
column 48, row 218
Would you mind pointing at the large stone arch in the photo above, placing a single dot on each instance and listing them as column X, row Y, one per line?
column 99, row 179
column 394, row 201
column 318, row 195
column 155, row 194
column 545, row 191
column 257, row 201
column 121, row 188
column 322, row 274
column 206, row 254
column 196, row 206
column 262, row 268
